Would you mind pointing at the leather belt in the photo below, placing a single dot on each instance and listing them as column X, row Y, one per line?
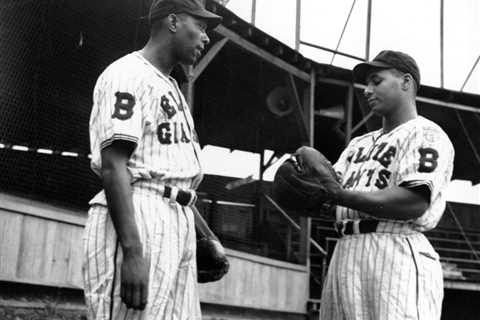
column 182, row 197
column 349, row 227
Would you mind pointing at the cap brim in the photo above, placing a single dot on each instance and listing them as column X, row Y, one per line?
column 212, row 19
column 361, row 70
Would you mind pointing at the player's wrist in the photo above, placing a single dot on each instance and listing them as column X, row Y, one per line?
column 338, row 195
column 132, row 249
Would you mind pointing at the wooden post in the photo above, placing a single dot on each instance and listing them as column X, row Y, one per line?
column 305, row 233
column 349, row 115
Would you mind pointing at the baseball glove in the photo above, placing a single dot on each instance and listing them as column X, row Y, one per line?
column 212, row 263
column 305, row 181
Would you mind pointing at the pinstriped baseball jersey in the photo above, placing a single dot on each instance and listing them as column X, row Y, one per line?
column 417, row 152
column 134, row 101
column 393, row 273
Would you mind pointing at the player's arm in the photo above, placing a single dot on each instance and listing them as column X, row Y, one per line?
column 398, row 203
column 201, row 227
column 116, row 182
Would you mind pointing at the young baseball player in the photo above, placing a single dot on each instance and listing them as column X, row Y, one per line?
column 140, row 239
column 392, row 190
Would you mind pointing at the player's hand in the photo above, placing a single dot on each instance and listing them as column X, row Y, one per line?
column 316, row 174
column 134, row 281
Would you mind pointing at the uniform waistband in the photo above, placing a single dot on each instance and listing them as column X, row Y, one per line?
column 348, row 227
column 183, row 196
column 360, row 226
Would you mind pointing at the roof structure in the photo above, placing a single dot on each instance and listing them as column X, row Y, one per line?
column 231, row 110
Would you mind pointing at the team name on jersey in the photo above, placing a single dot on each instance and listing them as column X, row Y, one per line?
column 168, row 132
column 174, row 132
column 382, row 153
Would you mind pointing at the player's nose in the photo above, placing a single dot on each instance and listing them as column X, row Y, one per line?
column 205, row 39
column 368, row 91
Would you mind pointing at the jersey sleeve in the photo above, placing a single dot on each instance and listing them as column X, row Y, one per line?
column 426, row 159
column 118, row 107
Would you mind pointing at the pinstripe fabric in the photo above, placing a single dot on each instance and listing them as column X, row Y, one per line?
column 167, row 232
column 135, row 102
column 161, row 125
column 383, row 276
column 393, row 273
column 402, row 168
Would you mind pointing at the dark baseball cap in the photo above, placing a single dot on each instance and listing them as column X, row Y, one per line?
column 388, row 59
column 162, row 8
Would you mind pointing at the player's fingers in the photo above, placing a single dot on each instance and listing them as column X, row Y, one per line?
column 143, row 296
column 136, row 296
column 127, row 294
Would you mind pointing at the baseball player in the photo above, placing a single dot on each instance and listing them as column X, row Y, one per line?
column 139, row 241
column 392, row 190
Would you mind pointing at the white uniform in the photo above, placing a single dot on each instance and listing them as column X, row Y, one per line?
column 134, row 101
column 393, row 273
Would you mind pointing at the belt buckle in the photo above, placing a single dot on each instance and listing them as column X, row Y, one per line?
column 183, row 197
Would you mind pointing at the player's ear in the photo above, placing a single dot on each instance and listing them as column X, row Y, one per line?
column 172, row 22
column 407, row 82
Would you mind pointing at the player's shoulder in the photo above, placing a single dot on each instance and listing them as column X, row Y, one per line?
column 425, row 125
column 129, row 64
column 431, row 132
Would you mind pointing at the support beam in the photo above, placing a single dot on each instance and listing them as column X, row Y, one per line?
column 298, row 24
column 265, row 55
column 461, row 285
column 207, row 58
column 316, row 46
column 450, row 105
column 311, row 108
column 470, row 74
column 436, row 102
column 254, row 11
column 299, row 114
column 349, row 114
column 369, row 32
column 442, row 65
column 305, row 235
column 362, row 122
column 270, row 161
column 261, row 167
column 294, row 224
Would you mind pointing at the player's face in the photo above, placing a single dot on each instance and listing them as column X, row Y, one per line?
column 191, row 39
column 383, row 92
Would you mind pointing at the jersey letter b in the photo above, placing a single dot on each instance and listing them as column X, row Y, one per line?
column 428, row 159
column 123, row 106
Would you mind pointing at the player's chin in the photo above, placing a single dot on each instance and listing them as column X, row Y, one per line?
column 191, row 59
column 377, row 110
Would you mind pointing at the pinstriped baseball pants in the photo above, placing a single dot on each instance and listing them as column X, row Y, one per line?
column 167, row 232
column 383, row 276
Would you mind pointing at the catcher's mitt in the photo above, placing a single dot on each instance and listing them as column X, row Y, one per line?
column 305, row 181
column 212, row 263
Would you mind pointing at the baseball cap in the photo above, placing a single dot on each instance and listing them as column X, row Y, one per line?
column 162, row 8
column 388, row 59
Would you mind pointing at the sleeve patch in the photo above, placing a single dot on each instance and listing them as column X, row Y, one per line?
column 428, row 160
column 123, row 106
